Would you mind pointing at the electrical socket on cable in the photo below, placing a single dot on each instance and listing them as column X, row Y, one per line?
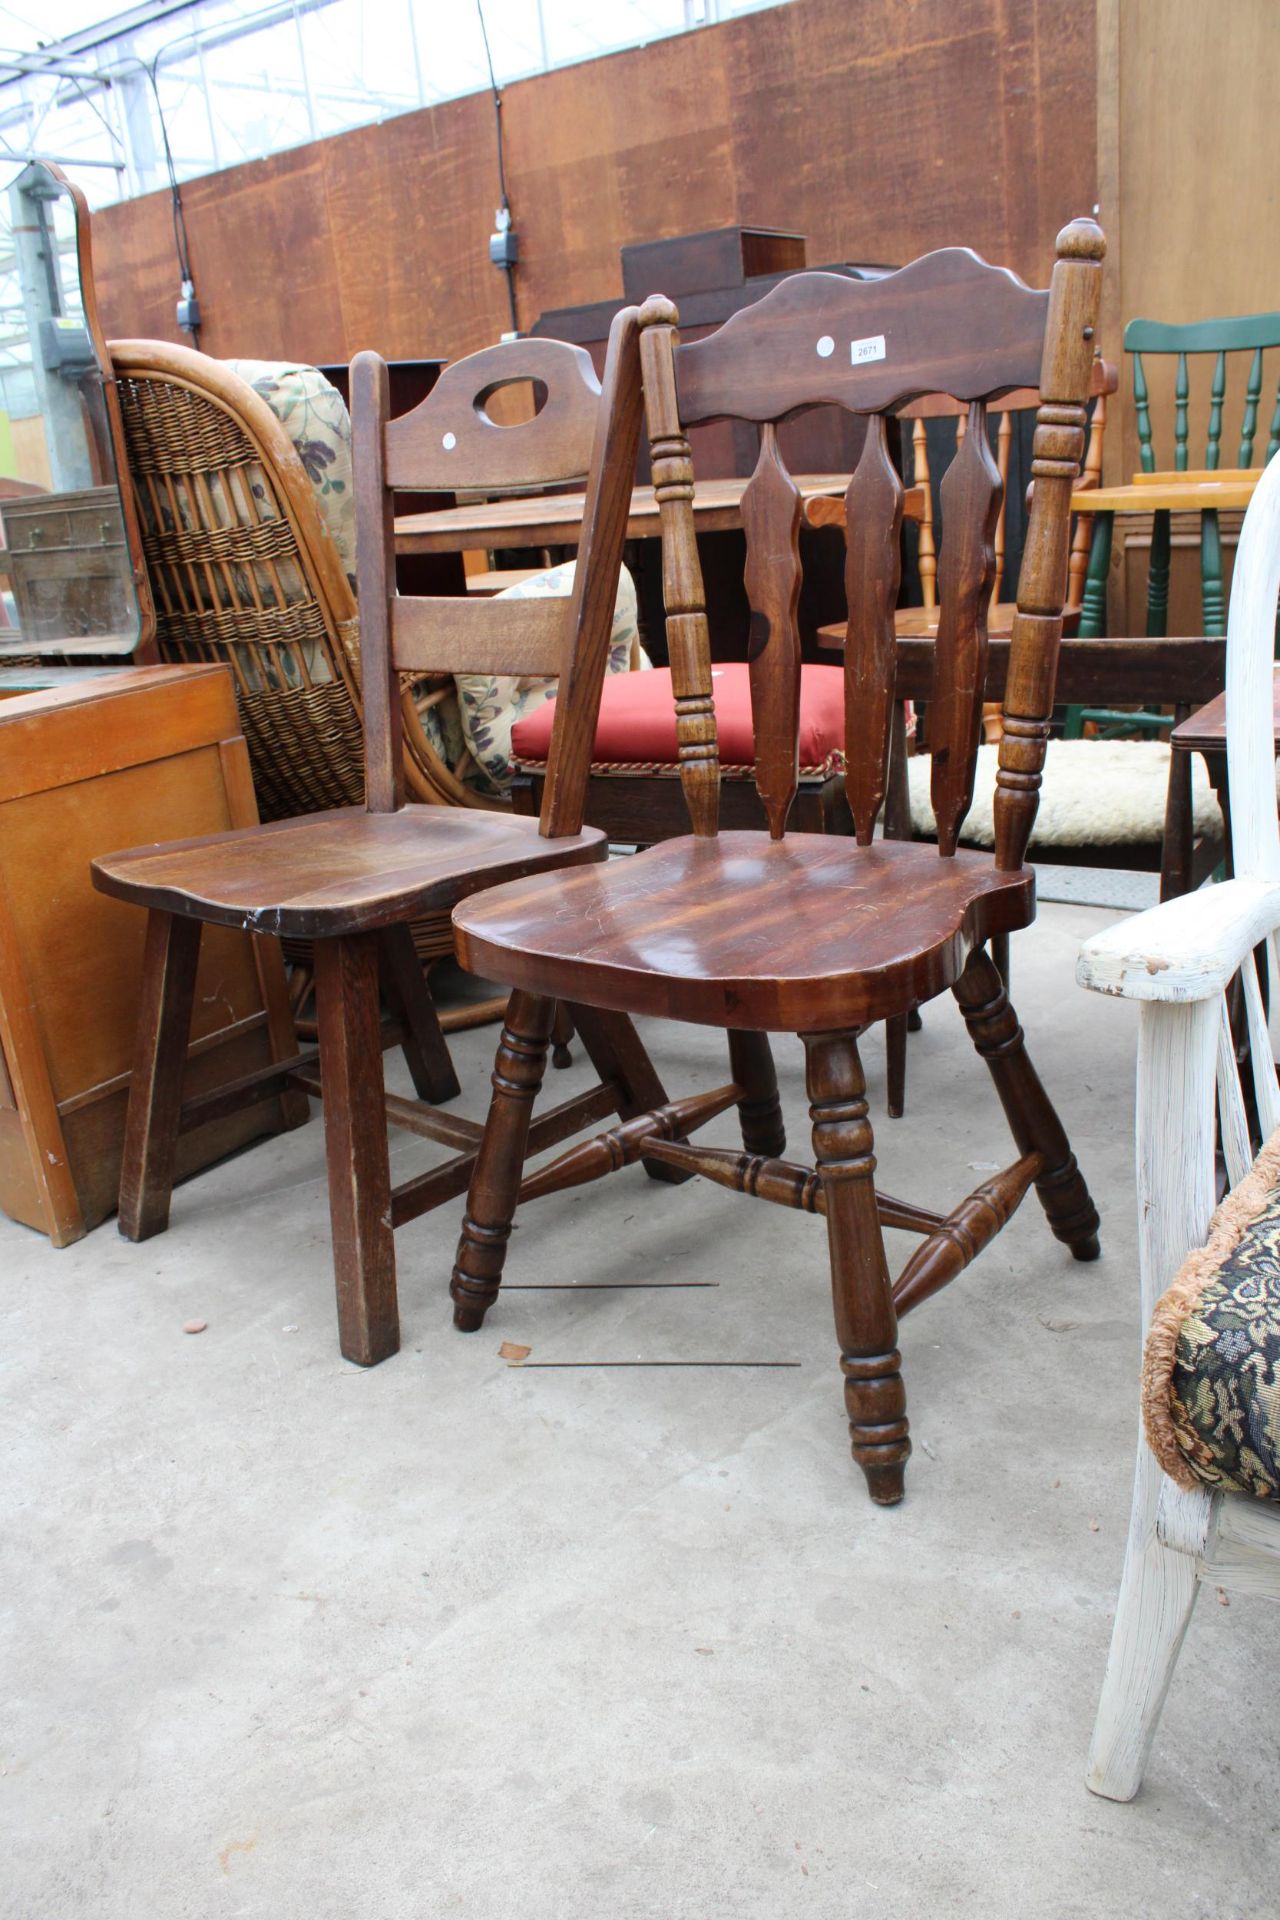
column 504, row 243
column 188, row 308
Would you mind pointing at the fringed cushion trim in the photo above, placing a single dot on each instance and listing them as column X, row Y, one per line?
column 1170, row 1434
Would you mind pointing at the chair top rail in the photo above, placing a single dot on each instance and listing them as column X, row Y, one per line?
column 451, row 441
column 1233, row 334
column 947, row 323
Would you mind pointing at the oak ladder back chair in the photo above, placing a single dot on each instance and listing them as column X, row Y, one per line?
column 1250, row 333
column 350, row 880
column 808, row 934
column 1192, row 1520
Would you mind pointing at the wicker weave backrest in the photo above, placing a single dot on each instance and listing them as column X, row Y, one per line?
column 244, row 571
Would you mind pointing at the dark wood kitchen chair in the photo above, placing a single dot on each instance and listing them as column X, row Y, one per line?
column 812, row 934
column 351, row 880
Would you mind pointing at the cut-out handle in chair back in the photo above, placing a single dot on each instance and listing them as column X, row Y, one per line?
column 452, row 440
column 947, row 323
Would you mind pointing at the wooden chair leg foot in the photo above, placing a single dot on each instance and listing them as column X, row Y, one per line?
column 995, row 1032
column 760, row 1109
column 561, row 1035
column 885, row 1484
column 155, row 1088
column 866, row 1323
column 915, row 1023
column 355, row 1139
column 496, row 1176
column 895, row 1056
column 426, row 1050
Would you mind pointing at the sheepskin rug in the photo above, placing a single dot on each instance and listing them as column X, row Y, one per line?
column 1096, row 793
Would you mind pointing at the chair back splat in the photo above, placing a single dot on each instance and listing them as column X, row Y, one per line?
column 452, row 441
column 950, row 324
column 1246, row 333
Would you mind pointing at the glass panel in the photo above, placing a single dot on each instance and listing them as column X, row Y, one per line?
column 66, row 576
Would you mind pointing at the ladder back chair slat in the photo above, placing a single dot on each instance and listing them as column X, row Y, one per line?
column 451, row 440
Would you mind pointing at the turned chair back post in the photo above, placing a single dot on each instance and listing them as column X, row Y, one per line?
column 1075, row 295
column 450, row 442
column 949, row 323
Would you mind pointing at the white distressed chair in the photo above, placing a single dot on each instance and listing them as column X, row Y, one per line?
column 1178, row 961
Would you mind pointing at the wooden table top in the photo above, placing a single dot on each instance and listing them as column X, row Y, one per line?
column 1206, row 731
column 555, row 520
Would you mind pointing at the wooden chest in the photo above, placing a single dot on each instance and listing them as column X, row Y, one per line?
column 145, row 754
column 69, row 565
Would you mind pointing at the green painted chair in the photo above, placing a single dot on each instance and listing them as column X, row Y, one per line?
column 1162, row 491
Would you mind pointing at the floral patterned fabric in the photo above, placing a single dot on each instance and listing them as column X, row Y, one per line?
column 314, row 415
column 469, row 729
column 1211, row 1388
column 491, row 704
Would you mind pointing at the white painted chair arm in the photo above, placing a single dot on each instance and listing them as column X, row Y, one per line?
column 1186, row 949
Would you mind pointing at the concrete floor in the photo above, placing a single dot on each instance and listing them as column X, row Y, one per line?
column 289, row 1641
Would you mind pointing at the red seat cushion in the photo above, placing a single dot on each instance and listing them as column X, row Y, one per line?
column 638, row 723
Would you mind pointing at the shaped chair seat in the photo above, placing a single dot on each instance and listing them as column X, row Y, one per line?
column 340, row 872
column 835, row 935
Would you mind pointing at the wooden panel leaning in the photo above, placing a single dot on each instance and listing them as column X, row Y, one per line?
column 352, row 879
column 817, row 936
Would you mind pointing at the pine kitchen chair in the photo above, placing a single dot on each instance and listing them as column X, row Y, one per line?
column 352, row 880
column 818, row 935
column 1208, row 1469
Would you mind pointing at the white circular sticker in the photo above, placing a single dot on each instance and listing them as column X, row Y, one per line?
column 449, row 442
column 826, row 347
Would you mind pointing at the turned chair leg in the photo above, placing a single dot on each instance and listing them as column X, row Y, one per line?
column 155, row 1089
column 425, row 1048
column 895, row 1060
column 760, row 1109
column 499, row 1167
column 561, row 1035
column 355, row 1138
column 1036, row 1128
column 866, row 1324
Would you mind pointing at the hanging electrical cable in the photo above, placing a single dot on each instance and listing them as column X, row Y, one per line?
column 504, row 246
column 188, row 310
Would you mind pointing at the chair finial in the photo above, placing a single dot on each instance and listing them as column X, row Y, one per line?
column 1081, row 239
column 658, row 311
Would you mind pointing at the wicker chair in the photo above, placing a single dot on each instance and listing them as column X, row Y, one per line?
column 245, row 572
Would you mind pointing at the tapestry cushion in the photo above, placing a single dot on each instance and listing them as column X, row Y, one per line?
column 1211, row 1369
column 1096, row 793
column 491, row 706
column 637, row 725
